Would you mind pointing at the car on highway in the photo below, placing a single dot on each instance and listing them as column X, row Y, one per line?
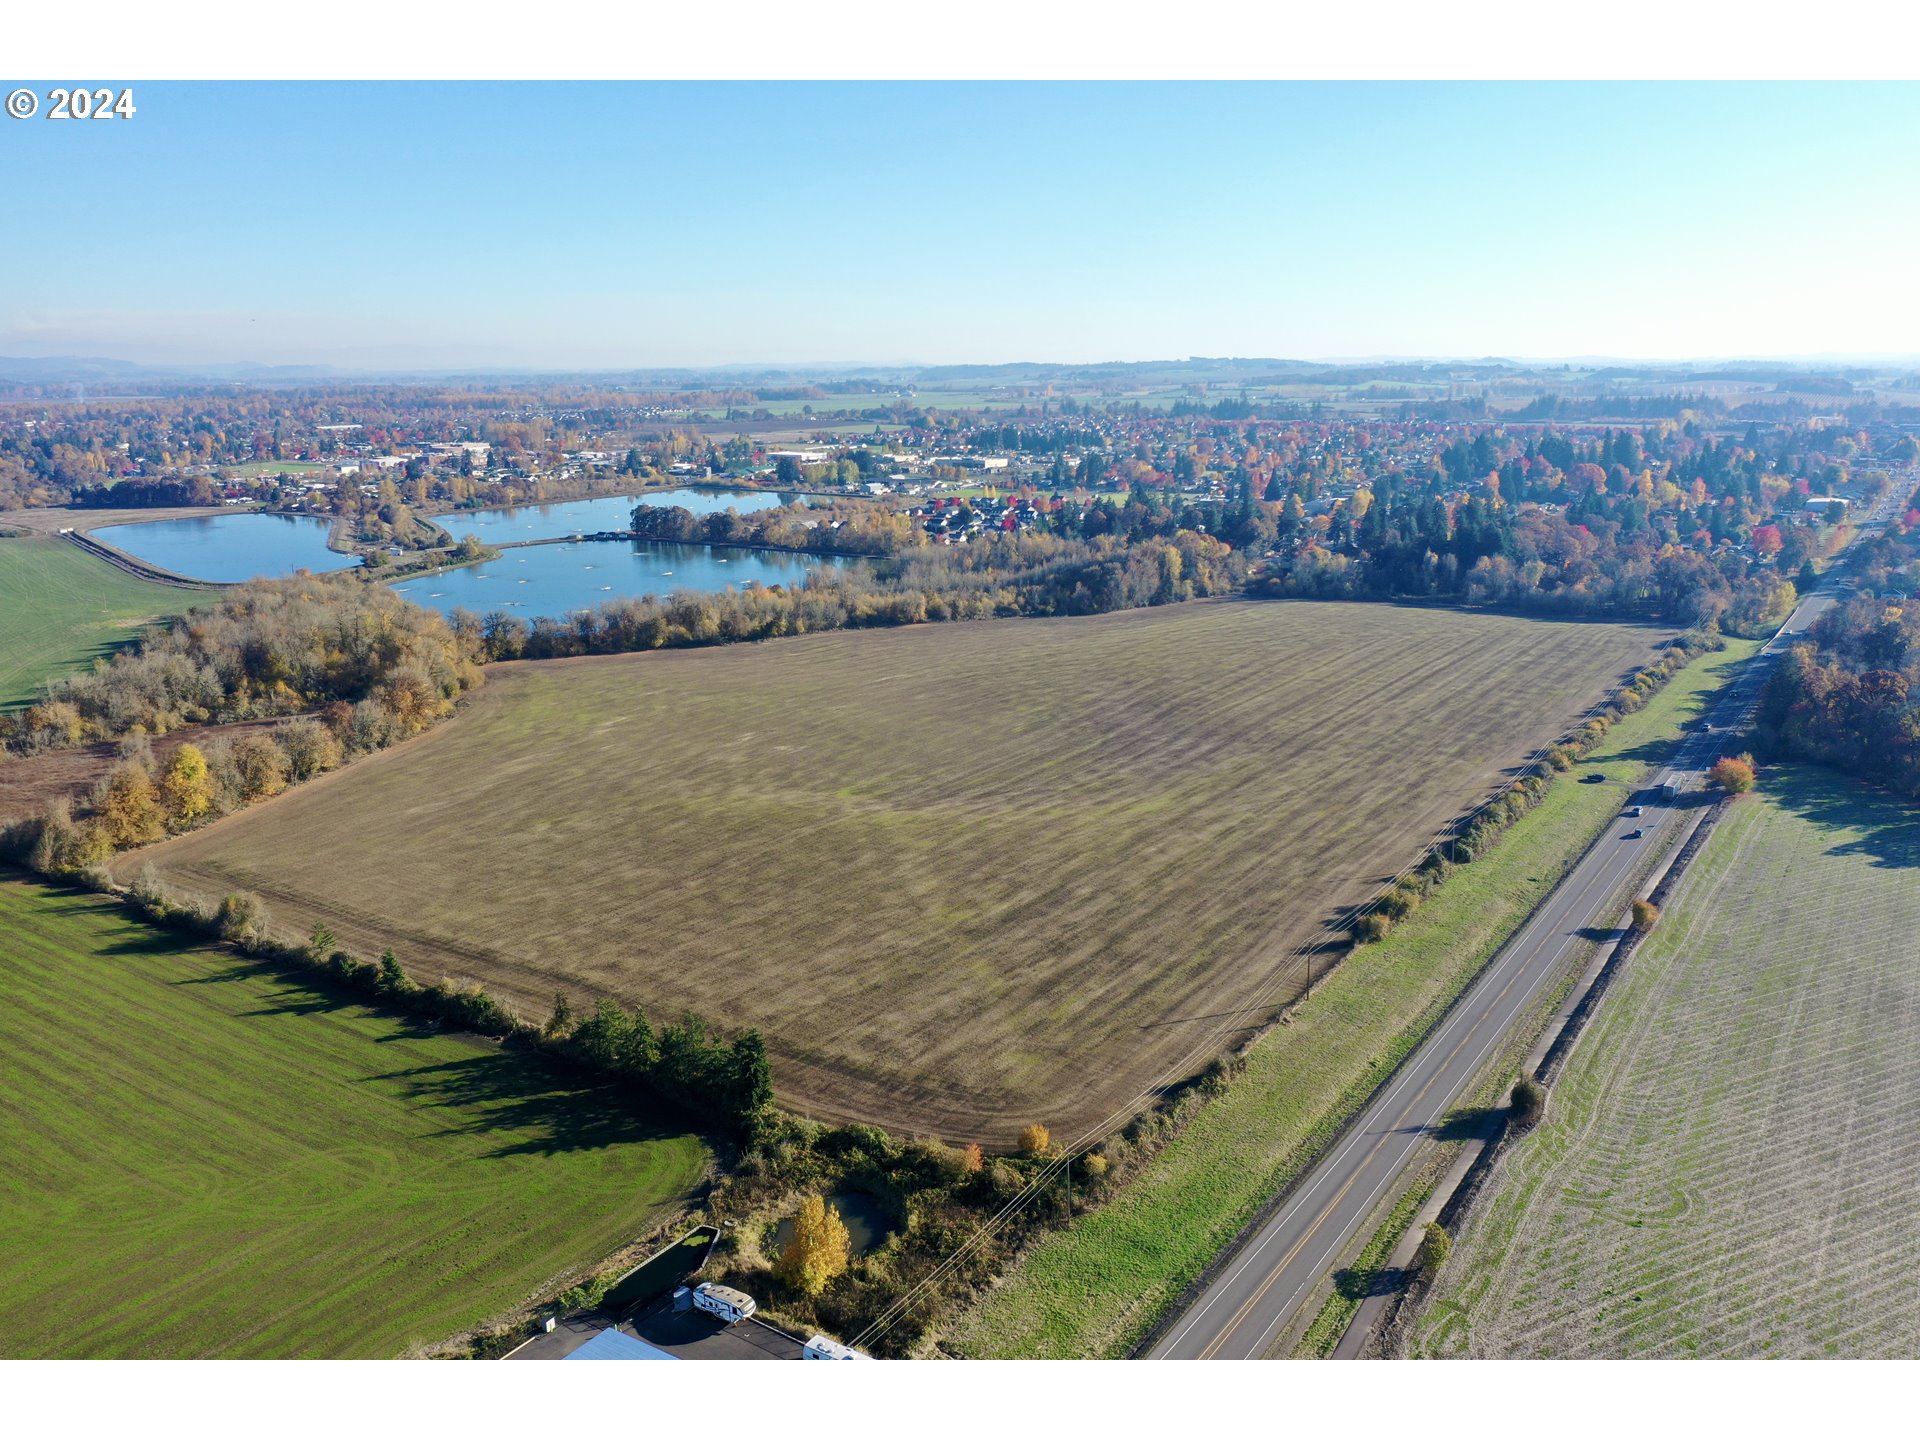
column 1634, row 812
column 1634, row 834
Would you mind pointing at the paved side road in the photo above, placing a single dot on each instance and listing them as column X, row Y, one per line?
column 1247, row 1308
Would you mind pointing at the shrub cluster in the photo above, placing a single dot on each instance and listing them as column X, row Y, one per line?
column 934, row 1197
column 270, row 648
column 144, row 798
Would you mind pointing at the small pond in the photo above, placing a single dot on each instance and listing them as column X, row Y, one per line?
column 241, row 546
column 535, row 580
column 499, row 526
column 867, row 1224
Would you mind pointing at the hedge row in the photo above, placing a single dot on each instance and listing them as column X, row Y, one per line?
column 1476, row 833
column 686, row 1063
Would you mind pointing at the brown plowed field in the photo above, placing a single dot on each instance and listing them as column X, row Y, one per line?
column 962, row 876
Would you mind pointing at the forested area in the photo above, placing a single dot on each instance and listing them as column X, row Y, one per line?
column 265, row 649
column 1626, row 525
column 1848, row 698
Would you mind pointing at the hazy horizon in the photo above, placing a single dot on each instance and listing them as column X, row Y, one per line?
column 602, row 227
column 825, row 368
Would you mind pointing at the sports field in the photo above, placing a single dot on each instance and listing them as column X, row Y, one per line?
column 1728, row 1166
column 204, row 1160
column 60, row 608
column 963, row 876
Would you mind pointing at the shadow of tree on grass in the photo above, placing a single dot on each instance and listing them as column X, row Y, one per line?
column 1884, row 827
column 550, row 1110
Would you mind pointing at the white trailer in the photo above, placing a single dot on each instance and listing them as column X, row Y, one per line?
column 724, row 1301
column 822, row 1347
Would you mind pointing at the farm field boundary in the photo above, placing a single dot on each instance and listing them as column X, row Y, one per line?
column 1095, row 1288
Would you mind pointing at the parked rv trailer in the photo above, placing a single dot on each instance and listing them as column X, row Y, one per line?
column 724, row 1301
column 820, row 1347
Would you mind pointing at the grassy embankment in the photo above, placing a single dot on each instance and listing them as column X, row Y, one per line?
column 205, row 1159
column 61, row 608
column 1095, row 1288
column 1727, row 1166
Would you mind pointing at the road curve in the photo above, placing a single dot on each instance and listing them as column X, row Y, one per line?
column 1246, row 1308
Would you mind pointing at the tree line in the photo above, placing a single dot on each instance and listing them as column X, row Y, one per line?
column 687, row 1062
column 1850, row 695
column 1001, row 575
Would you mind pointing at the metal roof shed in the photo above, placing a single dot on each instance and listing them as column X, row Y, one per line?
column 618, row 1345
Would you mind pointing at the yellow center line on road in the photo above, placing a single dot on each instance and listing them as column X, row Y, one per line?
column 1240, row 1315
column 1742, row 696
column 1551, row 965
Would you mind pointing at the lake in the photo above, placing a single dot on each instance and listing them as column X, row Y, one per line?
column 229, row 547
column 557, row 579
column 498, row 526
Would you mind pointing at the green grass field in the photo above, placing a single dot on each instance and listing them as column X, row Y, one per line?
column 202, row 1159
column 277, row 467
column 61, row 608
column 1093, row 1289
column 1728, row 1168
column 963, row 877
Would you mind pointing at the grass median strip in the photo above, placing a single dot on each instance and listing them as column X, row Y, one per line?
column 1095, row 1288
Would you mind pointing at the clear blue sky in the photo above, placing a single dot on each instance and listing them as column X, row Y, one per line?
column 625, row 225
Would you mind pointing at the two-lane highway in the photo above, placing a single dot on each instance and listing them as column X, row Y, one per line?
column 1244, row 1311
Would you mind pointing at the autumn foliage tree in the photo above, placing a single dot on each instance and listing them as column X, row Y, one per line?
column 819, row 1250
column 1645, row 914
column 259, row 767
column 130, row 810
column 1036, row 1139
column 187, row 786
column 1733, row 774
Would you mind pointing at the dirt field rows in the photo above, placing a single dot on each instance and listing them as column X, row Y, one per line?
column 1730, row 1162
column 963, row 876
